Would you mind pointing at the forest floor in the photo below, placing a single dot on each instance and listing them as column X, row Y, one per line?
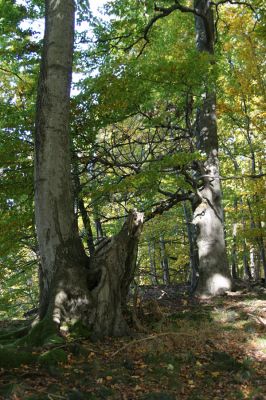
column 189, row 350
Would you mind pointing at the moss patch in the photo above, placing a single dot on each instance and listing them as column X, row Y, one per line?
column 44, row 332
column 53, row 357
column 78, row 330
column 13, row 358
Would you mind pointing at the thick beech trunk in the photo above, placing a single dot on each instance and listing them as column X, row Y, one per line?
column 59, row 243
column 73, row 287
column 214, row 276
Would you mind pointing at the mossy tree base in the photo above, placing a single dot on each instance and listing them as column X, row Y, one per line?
column 42, row 333
column 96, row 295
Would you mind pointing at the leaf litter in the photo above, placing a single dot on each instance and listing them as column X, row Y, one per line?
column 196, row 350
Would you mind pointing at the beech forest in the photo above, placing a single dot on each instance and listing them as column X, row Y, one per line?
column 132, row 200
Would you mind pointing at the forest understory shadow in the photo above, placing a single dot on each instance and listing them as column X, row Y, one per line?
column 185, row 348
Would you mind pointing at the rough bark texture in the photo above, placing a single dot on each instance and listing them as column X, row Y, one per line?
column 72, row 286
column 114, row 263
column 214, row 276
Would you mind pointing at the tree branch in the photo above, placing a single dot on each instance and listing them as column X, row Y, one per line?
column 221, row 2
column 164, row 12
column 166, row 205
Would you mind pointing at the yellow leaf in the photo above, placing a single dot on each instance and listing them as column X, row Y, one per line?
column 198, row 364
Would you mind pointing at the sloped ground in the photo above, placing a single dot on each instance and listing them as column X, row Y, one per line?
column 191, row 350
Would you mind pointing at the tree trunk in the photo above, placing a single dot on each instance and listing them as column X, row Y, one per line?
column 164, row 262
column 263, row 257
column 214, row 276
column 234, row 244
column 153, row 274
column 81, row 206
column 246, row 267
column 193, row 250
column 59, row 243
column 72, row 286
column 113, row 266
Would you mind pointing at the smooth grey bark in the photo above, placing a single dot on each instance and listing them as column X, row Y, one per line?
column 151, row 251
column 100, row 234
column 59, row 244
column 247, row 272
column 164, row 262
column 214, row 275
column 263, row 256
column 234, row 265
column 254, row 263
column 73, row 287
column 193, row 250
column 81, row 207
column 246, row 267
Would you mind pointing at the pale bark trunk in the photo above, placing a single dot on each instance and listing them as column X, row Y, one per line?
column 99, row 229
column 254, row 263
column 59, row 243
column 164, row 262
column 214, row 276
column 246, row 267
column 193, row 250
column 263, row 257
column 81, row 207
column 72, row 286
column 235, row 272
column 153, row 274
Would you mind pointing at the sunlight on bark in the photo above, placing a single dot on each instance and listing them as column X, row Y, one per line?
column 218, row 283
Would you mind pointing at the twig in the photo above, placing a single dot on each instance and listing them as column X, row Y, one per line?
column 55, row 396
column 8, row 71
column 242, row 3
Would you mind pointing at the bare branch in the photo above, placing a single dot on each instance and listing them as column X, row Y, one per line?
column 7, row 71
column 164, row 12
column 166, row 205
column 243, row 3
